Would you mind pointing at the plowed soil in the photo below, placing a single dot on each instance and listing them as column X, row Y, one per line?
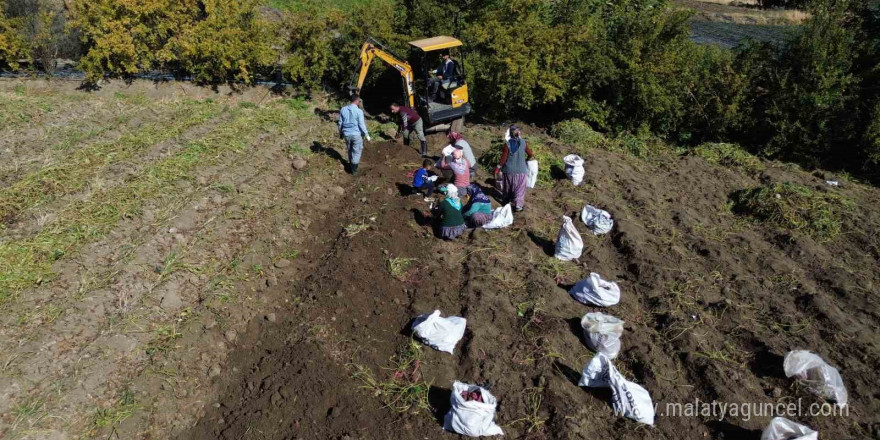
column 177, row 262
column 712, row 304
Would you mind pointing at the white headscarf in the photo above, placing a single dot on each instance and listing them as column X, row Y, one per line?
column 451, row 191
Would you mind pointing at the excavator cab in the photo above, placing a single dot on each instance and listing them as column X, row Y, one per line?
column 452, row 100
column 451, row 103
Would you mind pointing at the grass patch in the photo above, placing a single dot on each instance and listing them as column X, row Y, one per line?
column 163, row 339
column 532, row 420
column 27, row 262
column 638, row 145
column 730, row 156
column 404, row 391
column 118, row 413
column 398, row 267
column 73, row 174
column 792, row 206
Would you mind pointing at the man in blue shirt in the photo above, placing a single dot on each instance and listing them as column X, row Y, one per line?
column 353, row 129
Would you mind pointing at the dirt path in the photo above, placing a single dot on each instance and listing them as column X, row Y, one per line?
column 296, row 374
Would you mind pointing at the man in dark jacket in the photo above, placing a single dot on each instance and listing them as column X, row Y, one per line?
column 410, row 122
column 445, row 75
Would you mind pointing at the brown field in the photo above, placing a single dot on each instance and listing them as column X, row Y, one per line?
column 729, row 23
column 180, row 263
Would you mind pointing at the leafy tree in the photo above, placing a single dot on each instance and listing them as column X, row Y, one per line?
column 125, row 38
column 229, row 41
column 13, row 45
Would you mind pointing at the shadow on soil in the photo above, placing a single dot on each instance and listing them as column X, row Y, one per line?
column 318, row 148
column 547, row 246
column 725, row 430
column 438, row 398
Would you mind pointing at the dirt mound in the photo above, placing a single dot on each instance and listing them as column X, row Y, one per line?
column 712, row 303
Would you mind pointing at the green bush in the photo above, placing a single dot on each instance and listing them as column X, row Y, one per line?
column 729, row 155
column 13, row 45
column 792, row 206
column 577, row 133
column 307, row 49
column 812, row 99
column 214, row 40
column 229, row 41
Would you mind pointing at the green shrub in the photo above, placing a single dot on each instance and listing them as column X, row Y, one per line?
column 228, row 42
column 214, row 40
column 642, row 145
column 577, row 133
column 795, row 207
column 13, row 45
column 729, row 155
column 307, row 48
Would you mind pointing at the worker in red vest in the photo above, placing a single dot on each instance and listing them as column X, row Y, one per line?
column 410, row 122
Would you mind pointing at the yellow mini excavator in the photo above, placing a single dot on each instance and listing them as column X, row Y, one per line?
column 443, row 111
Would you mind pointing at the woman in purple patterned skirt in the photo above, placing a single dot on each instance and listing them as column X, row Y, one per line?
column 513, row 166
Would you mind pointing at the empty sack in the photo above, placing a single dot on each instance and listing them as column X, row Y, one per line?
column 501, row 218
column 627, row 398
column 439, row 333
column 599, row 221
column 781, row 428
column 532, row 177
column 594, row 291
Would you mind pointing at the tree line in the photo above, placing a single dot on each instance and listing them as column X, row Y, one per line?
column 626, row 66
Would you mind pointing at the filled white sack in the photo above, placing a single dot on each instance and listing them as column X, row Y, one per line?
column 781, row 428
column 574, row 168
column 501, row 218
column 599, row 221
column 627, row 398
column 822, row 378
column 569, row 244
column 471, row 418
column 594, row 291
column 602, row 333
column 439, row 333
column 532, row 177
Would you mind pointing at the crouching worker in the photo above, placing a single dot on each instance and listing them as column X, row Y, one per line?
column 423, row 180
column 478, row 210
column 410, row 122
column 449, row 212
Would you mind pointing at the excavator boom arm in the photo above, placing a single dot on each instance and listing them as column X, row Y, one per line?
column 373, row 49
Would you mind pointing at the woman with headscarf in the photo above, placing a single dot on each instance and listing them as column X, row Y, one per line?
column 449, row 212
column 514, row 168
column 456, row 140
column 461, row 169
column 478, row 210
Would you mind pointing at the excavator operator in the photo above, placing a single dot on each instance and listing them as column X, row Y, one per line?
column 444, row 76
